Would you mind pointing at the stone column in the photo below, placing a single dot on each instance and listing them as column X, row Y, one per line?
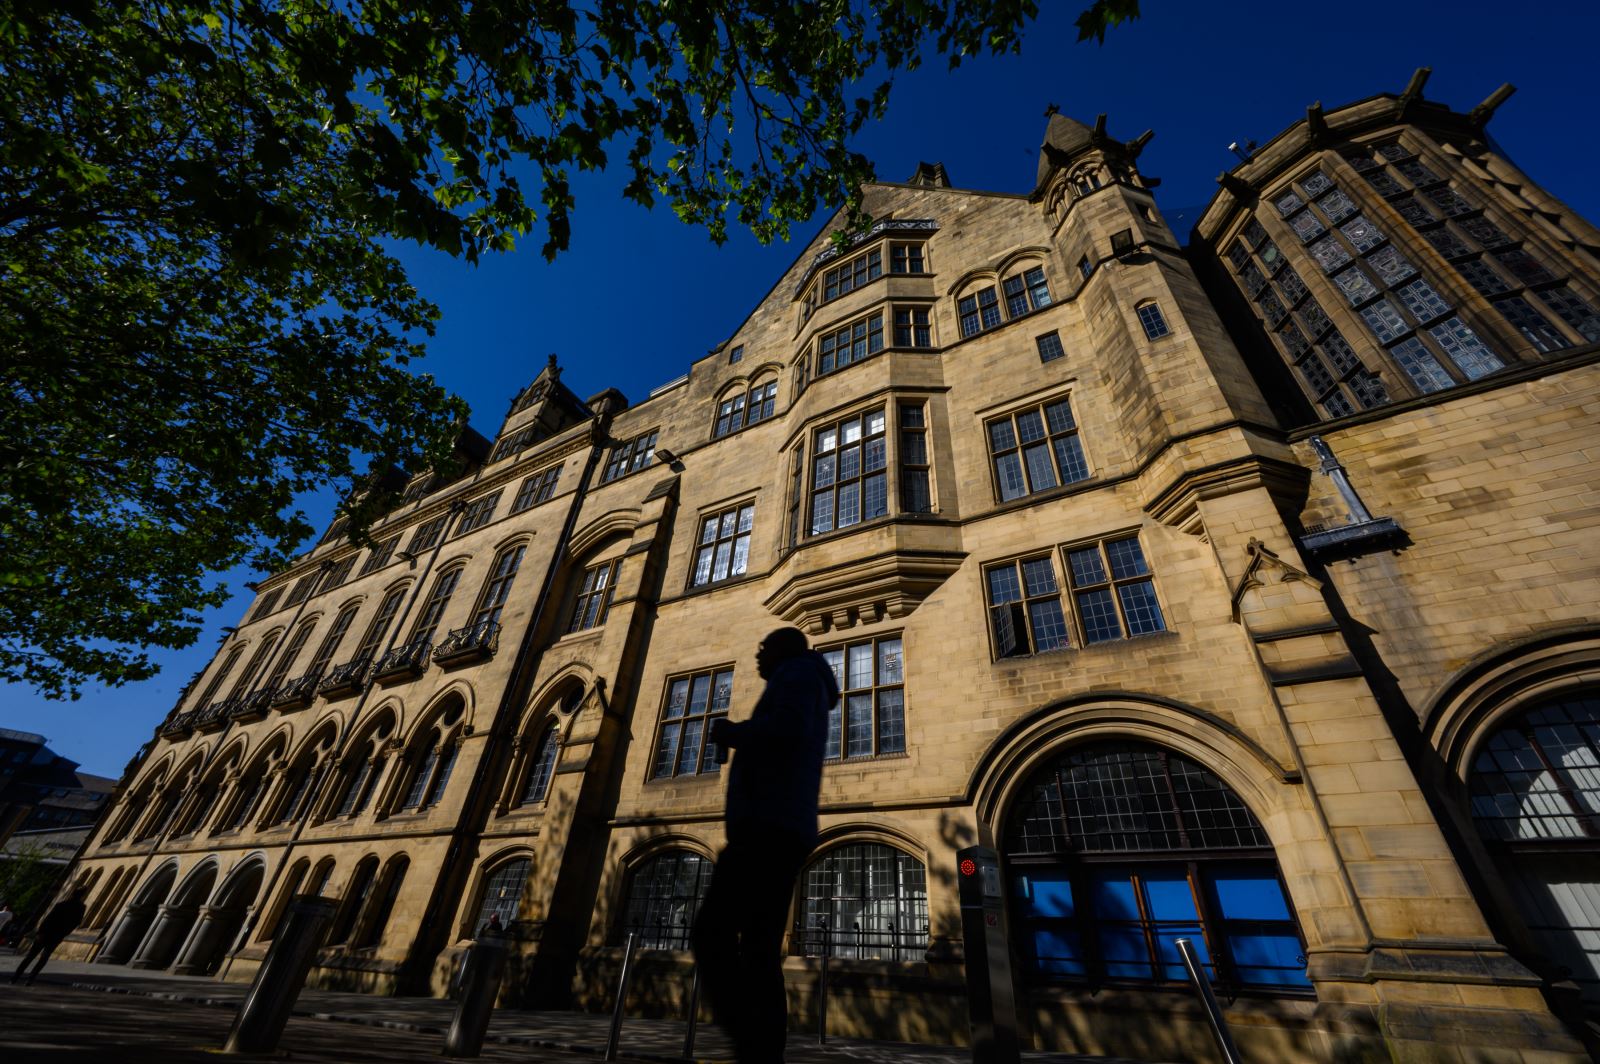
column 206, row 939
column 125, row 936
column 170, row 928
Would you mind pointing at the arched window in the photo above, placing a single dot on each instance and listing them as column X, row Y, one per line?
column 257, row 661
column 291, row 886
column 379, row 626
column 432, row 761
column 248, row 791
column 374, row 922
column 744, row 407
column 218, row 678
column 1119, row 849
column 195, row 813
column 663, row 897
column 291, row 653
column 1535, row 793
column 867, row 901
column 362, row 769
column 166, row 807
column 542, row 766
column 433, row 610
column 355, row 898
column 502, row 895
column 492, row 600
column 304, row 782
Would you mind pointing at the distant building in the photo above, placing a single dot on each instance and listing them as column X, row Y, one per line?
column 1244, row 591
column 41, row 789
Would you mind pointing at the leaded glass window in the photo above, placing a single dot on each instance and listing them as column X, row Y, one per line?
column 1113, row 595
column 853, row 343
column 542, row 765
column 1118, row 849
column 594, row 596
column 1036, row 449
column 1025, row 612
column 692, row 703
column 866, row 901
column 870, row 717
column 664, row 895
column 849, row 472
column 724, row 547
column 502, row 895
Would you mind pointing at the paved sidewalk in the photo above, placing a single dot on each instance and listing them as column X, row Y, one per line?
column 575, row 1032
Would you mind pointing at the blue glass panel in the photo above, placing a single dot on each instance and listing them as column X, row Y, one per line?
column 1046, row 893
column 1249, row 895
column 1058, row 952
column 1172, row 961
column 1268, row 960
column 1169, row 895
column 1113, row 896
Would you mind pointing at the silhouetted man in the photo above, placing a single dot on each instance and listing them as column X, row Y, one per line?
column 771, row 825
column 57, row 925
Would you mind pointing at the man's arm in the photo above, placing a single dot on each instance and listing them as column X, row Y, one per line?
column 780, row 714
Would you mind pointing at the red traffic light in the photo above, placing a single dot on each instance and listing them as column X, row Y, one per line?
column 968, row 867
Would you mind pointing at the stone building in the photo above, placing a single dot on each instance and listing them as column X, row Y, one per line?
column 1244, row 590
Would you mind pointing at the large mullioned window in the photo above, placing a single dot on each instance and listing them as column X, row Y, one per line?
column 870, row 717
column 1119, row 849
column 664, row 894
column 866, row 901
column 849, row 472
column 692, row 703
column 1025, row 292
column 1535, row 797
column 1036, row 449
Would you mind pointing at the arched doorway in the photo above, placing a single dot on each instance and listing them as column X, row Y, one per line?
column 1115, row 850
column 135, row 920
column 220, row 922
column 175, row 919
column 1534, row 790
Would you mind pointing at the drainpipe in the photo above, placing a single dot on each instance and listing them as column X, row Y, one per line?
column 481, row 794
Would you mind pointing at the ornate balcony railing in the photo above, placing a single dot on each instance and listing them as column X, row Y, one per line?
column 179, row 726
column 252, row 706
column 472, row 643
column 214, row 716
column 403, row 662
column 345, row 679
column 295, row 693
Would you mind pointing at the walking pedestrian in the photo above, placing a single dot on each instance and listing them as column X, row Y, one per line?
column 57, row 925
column 6, row 916
column 771, row 826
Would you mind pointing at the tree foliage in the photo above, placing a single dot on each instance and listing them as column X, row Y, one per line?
column 198, row 317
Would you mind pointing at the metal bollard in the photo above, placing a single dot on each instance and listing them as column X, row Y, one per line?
column 615, row 1035
column 822, row 985
column 266, row 1008
column 480, row 984
column 694, row 1015
column 1219, row 1026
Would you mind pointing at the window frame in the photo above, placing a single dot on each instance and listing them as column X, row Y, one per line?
column 861, row 941
column 1020, row 448
column 838, row 736
column 630, row 456
column 478, row 513
column 740, row 534
column 648, row 915
column 537, row 488
column 588, row 590
column 1022, row 606
column 1112, row 584
column 865, row 331
column 814, row 490
column 746, row 407
column 705, row 762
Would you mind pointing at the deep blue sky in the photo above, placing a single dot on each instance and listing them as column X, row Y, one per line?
column 640, row 295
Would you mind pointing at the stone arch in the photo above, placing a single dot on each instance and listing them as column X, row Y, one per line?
column 363, row 755
column 485, row 877
column 176, row 917
column 429, row 751
column 1221, row 747
column 1469, row 705
column 973, row 278
column 881, row 915
column 134, row 923
column 608, row 526
column 550, row 717
column 1032, row 255
column 217, row 931
column 663, row 915
column 520, row 538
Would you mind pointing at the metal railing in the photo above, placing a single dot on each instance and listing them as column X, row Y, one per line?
column 303, row 689
column 349, row 676
column 474, row 640
column 853, row 941
column 412, row 657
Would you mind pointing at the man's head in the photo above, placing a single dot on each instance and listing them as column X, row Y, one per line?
column 778, row 647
